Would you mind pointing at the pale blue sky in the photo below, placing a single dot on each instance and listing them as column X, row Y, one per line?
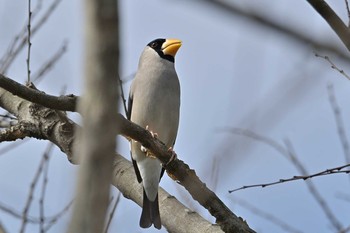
column 233, row 73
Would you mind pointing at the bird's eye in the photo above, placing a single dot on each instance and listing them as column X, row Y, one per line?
column 154, row 44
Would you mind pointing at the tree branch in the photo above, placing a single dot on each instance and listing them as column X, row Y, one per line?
column 229, row 8
column 333, row 20
column 64, row 103
column 19, row 131
column 57, row 128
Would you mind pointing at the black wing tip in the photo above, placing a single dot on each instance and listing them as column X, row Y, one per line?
column 150, row 213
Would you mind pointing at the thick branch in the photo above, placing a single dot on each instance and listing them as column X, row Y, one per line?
column 19, row 131
column 46, row 123
column 333, row 20
column 64, row 103
column 176, row 169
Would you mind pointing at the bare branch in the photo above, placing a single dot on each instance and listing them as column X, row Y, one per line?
column 13, row 51
column 20, row 35
column 333, row 20
column 65, row 103
column 50, row 221
column 62, row 135
column 112, row 213
column 122, row 95
column 333, row 66
column 312, row 188
column 31, row 192
column 329, row 171
column 46, row 156
column 290, row 154
column 19, row 131
column 348, row 10
column 229, row 8
column 16, row 214
column 29, row 43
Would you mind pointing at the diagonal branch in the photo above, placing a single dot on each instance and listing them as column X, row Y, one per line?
column 57, row 128
column 64, row 103
column 232, row 10
column 333, row 20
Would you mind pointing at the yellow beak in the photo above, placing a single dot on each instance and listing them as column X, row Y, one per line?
column 171, row 46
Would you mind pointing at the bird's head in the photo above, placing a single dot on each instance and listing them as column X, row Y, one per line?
column 165, row 48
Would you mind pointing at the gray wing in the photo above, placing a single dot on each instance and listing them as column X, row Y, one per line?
column 128, row 115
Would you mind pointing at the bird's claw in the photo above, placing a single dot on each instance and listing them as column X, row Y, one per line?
column 154, row 135
column 173, row 155
column 143, row 149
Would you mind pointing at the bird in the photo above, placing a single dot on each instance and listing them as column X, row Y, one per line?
column 154, row 104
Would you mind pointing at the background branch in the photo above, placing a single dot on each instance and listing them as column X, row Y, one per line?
column 333, row 20
column 255, row 17
column 21, row 39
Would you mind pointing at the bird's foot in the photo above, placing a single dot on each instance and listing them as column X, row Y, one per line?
column 147, row 152
column 154, row 135
column 173, row 155
column 144, row 149
column 150, row 155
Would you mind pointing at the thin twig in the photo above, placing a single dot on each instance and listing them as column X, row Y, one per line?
column 9, row 57
column 20, row 35
column 46, row 156
column 312, row 188
column 333, row 66
column 16, row 214
column 348, row 10
column 31, row 192
column 290, row 154
column 329, row 171
column 112, row 212
column 122, row 95
column 29, row 43
column 267, row 216
column 37, row 77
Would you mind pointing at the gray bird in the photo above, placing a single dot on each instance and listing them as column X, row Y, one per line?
column 154, row 104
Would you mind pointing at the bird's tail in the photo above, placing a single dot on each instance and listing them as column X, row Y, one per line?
column 150, row 213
